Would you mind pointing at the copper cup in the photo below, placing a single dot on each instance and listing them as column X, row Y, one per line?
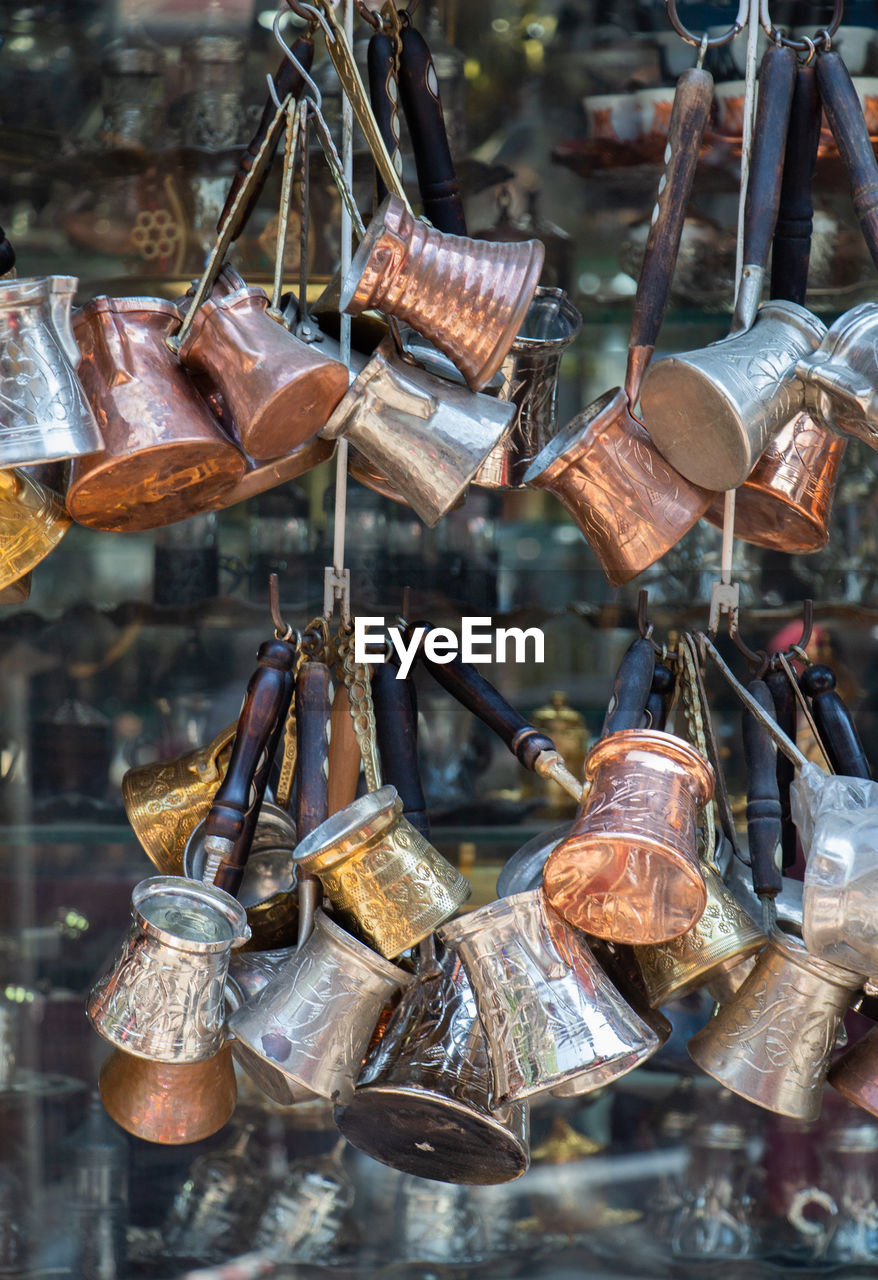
column 855, row 1073
column 32, row 522
column 786, row 501
column 628, row 871
column 630, row 504
column 169, row 1103
column 164, row 454
column 468, row 297
column 278, row 389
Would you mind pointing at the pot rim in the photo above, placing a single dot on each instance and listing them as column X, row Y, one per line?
column 568, row 446
column 668, row 745
column 344, row 833
column 209, row 895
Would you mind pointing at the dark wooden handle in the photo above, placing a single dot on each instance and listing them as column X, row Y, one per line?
column 692, row 99
column 396, row 725
column 834, row 723
column 777, row 78
column 7, row 254
column 437, row 178
column 631, row 688
column 235, row 809
column 763, row 802
column 344, row 753
column 287, row 81
column 851, row 134
column 784, row 700
column 658, row 704
column 791, row 249
column 478, row 695
column 383, row 97
column 313, row 709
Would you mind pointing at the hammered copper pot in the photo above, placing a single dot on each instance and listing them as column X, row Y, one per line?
column 279, row 390
column 629, row 503
column 469, row 297
column 167, row 1102
column 629, row 871
column 164, row 456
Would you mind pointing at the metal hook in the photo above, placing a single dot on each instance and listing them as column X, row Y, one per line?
column 281, row 630
column 316, row 95
column 313, row 15
column 699, row 41
column 758, row 657
column 806, row 44
column 644, row 626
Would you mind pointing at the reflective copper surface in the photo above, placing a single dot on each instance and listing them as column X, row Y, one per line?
column 629, row 503
column 855, row 1073
column 628, row 870
column 169, row 1103
column 32, row 522
column 469, row 297
column 164, row 454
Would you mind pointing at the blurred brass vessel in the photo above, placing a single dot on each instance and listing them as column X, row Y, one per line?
column 32, row 522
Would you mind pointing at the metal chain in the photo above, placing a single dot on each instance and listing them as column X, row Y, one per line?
column 359, row 687
column 283, row 792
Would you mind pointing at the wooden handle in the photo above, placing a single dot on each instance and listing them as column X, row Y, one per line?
column 784, row 700
column 419, row 92
column 383, row 97
column 661, row 691
column 344, row 753
column 763, row 803
column 313, row 710
column 287, row 81
column 478, row 695
column 396, row 724
column 791, row 249
column 631, row 688
column 692, row 99
column 834, row 723
column 235, row 809
column 851, row 134
column 777, row 78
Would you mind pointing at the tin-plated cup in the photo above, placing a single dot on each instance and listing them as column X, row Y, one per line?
column 169, row 1103
column 423, row 1100
column 855, row 1073
column 786, row 501
column 711, row 412
column 549, row 1012
column 45, row 414
column 629, row 504
column 840, row 377
column 32, row 522
column 629, row 870
column 61, row 291
column 162, row 998
column 278, row 389
column 772, row 1042
column 469, row 297
column 386, row 882
column 530, row 381
column 164, row 454
column 724, row 938
column 166, row 799
column 307, row 1031
column 426, row 435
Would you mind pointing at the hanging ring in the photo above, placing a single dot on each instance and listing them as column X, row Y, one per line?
column 823, row 37
column 713, row 42
column 313, row 15
column 368, row 15
column 316, row 95
column 812, row 50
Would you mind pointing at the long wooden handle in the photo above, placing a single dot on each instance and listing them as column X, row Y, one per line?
column 784, row 700
column 834, row 722
column 313, row 710
column 419, row 92
column 763, row 801
column 235, row 809
column 851, row 134
column 692, row 99
column 344, row 752
column 631, row 688
column 380, row 60
column 396, row 724
column 791, row 249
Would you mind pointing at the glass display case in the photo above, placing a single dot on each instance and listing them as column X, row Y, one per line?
column 121, row 128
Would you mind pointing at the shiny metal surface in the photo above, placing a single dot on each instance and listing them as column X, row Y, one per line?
column 380, row 874
column 251, row 971
column 711, row 412
column 423, row 1100
column 165, row 456
column 169, row 1103
column 840, row 376
column 629, row 504
column 548, row 1010
column 162, row 998
column 278, row 389
column 855, row 1073
column 469, row 297
column 426, row 435
column 32, row 522
column 786, row 501
column 524, row 870
column 307, row 1030
column 45, row 413
column 772, row 1042
column 61, row 291
column 629, row 870
column 530, row 381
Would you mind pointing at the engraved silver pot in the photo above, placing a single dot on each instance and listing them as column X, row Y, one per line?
column 423, row 1100
column 711, row 412
column 163, row 997
column 530, row 372
column 549, row 1012
column 44, row 414
column 307, row 1031
column 841, row 376
column 772, row 1042
column 427, row 436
